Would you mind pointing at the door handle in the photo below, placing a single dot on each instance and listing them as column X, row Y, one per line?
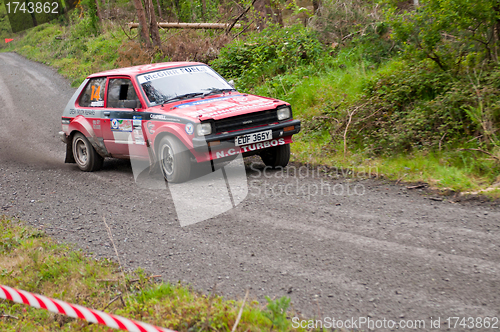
column 107, row 113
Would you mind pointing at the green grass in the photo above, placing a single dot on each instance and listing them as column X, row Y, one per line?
column 456, row 171
column 31, row 261
column 69, row 50
column 309, row 88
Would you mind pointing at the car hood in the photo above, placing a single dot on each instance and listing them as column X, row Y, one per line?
column 220, row 106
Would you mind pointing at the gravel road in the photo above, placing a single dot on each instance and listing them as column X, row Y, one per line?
column 367, row 248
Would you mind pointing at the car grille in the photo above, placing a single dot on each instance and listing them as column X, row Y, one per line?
column 246, row 121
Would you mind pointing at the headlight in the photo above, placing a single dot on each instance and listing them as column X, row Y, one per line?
column 203, row 129
column 284, row 113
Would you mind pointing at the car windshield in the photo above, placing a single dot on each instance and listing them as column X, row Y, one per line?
column 180, row 83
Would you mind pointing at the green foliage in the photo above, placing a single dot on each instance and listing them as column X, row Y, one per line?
column 455, row 34
column 85, row 21
column 420, row 107
column 338, row 21
column 273, row 51
column 375, row 43
column 277, row 312
column 5, row 29
column 70, row 49
column 193, row 11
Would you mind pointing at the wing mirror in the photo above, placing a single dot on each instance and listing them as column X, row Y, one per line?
column 231, row 83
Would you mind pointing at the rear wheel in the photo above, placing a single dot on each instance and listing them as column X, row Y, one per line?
column 86, row 157
column 276, row 156
column 174, row 160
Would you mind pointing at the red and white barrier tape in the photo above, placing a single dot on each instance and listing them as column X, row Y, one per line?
column 76, row 311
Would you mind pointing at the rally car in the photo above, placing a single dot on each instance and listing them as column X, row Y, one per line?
column 172, row 114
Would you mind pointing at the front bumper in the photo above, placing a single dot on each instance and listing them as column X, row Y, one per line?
column 200, row 143
column 63, row 137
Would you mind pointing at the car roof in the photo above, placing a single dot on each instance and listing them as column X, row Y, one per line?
column 132, row 71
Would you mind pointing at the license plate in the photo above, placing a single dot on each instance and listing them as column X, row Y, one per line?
column 253, row 138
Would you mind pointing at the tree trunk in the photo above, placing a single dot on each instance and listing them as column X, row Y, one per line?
column 203, row 9
column 153, row 23
column 263, row 7
column 496, row 32
column 98, row 10
column 143, row 26
column 316, row 4
column 33, row 18
column 160, row 15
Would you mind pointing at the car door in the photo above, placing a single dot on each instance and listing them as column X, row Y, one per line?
column 122, row 132
column 91, row 105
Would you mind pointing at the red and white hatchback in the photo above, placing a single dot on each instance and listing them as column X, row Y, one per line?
column 173, row 114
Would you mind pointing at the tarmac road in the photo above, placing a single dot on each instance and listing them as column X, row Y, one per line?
column 366, row 249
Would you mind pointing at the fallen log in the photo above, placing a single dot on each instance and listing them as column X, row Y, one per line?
column 166, row 25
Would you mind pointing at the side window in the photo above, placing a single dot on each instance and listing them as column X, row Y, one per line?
column 120, row 93
column 93, row 95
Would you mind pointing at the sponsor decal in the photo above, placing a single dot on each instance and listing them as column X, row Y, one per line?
column 138, row 137
column 81, row 112
column 137, row 119
column 228, row 108
column 205, row 101
column 171, row 72
column 163, row 117
column 151, row 127
column 99, row 103
column 96, row 124
column 158, row 117
column 189, row 128
column 263, row 145
column 121, row 125
column 250, row 147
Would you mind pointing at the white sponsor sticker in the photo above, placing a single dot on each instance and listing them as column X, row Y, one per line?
column 99, row 103
column 189, row 128
column 170, row 72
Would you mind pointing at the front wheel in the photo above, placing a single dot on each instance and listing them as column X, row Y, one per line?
column 174, row 160
column 86, row 157
column 276, row 156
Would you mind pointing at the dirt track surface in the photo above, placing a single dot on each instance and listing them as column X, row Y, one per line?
column 382, row 251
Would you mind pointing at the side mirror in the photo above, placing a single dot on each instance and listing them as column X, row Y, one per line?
column 130, row 104
column 231, row 83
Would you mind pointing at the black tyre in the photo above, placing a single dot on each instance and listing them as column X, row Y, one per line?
column 174, row 160
column 86, row 157
column 277, row 156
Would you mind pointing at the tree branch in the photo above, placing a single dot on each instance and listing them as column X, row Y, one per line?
column 239, row 16
column 480, row 150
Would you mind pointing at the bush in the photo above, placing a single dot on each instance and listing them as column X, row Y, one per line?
column 420, row 107
column 265, row 54
column 456, row 35
column 338, row 21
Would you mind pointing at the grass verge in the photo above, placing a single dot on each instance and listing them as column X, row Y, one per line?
column 31, row 261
